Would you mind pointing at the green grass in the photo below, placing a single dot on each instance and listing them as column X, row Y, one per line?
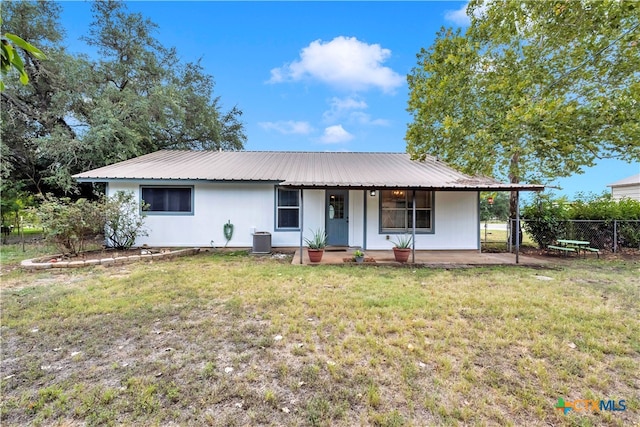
column 240, row 340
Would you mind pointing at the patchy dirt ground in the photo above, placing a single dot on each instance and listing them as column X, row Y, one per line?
column 241, row 340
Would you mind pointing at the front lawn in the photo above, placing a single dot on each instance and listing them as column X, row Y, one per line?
column 240, row 340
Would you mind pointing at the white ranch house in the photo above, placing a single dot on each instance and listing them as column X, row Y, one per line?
column 360, row 199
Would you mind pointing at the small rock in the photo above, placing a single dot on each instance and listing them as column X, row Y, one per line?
column 57, row 349
column 410, row 347
column 75, row 353
column 422, row 364
column 34, row 330
column 572, row 345
column 228, row 369
column 331, row 363
column 9, row 377
column 546, row 278
column 301, row 383
column 238, row 405
column 158, row 374
column 277, row 337
column 285, row 410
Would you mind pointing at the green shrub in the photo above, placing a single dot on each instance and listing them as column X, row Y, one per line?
column 546, row 219
column 123, row 220
column 71, row 224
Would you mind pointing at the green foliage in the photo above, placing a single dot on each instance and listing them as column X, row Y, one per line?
column 124, row 220
column 135, row 98
column 499, row 210
column 10, row 56
column 546, row 218
column 530, row 91
column 604, row 207
column 318, row 239
column 70, row 225
column 358, row 253
column 403, row 241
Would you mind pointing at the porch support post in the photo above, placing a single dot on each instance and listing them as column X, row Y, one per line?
column 364, row 219
column 480, row 226
column 413, row 238
column 517, row 227
column 301, row 222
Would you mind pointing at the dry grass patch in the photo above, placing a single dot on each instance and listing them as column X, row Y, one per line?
column 238, row 340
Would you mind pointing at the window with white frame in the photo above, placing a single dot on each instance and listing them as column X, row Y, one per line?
column 287, row 209
column 396, row 211
column 168, row 199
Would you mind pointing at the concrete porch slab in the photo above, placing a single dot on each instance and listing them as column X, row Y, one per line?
column 434, row 258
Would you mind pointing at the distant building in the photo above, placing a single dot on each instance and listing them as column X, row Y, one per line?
column 627, row 187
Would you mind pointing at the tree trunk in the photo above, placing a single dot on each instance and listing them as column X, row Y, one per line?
column 514, row 178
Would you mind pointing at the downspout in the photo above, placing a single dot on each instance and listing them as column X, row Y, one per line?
column 301, row 222
column 413, row 238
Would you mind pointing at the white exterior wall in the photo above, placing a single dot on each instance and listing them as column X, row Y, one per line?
column 251, row 207
column 455, row 223
column 629, row 191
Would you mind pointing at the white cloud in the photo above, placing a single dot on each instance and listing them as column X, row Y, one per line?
column 335, row 134
column 460, row 18
column 365, row 119
column 341, row 106
column 350, row 109
column 349, row 103
column 344, row 62
column 289, row 127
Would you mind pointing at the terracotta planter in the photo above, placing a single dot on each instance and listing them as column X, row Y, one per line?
column 315, row 255
column 401, row 254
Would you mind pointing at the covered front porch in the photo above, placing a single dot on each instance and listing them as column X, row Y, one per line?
column 422, row 257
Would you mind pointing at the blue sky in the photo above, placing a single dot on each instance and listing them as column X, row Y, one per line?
column 313, row 76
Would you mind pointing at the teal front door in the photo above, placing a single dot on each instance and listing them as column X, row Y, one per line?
column 337, row 216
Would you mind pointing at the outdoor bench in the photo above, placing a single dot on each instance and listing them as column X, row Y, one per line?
column 596, row 250
column 561, row 248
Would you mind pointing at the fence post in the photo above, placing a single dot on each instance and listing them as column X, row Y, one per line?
column 615, row 235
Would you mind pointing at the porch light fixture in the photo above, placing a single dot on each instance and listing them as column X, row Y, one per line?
column 372, row 193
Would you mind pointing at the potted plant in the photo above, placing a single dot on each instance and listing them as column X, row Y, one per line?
column 402, row 247
column 316, row 245
column 358, row 255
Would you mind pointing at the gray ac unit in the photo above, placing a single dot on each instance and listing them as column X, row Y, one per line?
column 261, row 242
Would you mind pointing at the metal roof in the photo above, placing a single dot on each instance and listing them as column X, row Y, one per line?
column 631, row 180
column 297, row 169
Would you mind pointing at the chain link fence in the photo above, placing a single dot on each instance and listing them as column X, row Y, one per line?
column 610, row 235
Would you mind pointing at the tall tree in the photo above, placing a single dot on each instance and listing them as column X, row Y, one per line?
column 79, row 113
column 37, row 118
column 532, row 90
